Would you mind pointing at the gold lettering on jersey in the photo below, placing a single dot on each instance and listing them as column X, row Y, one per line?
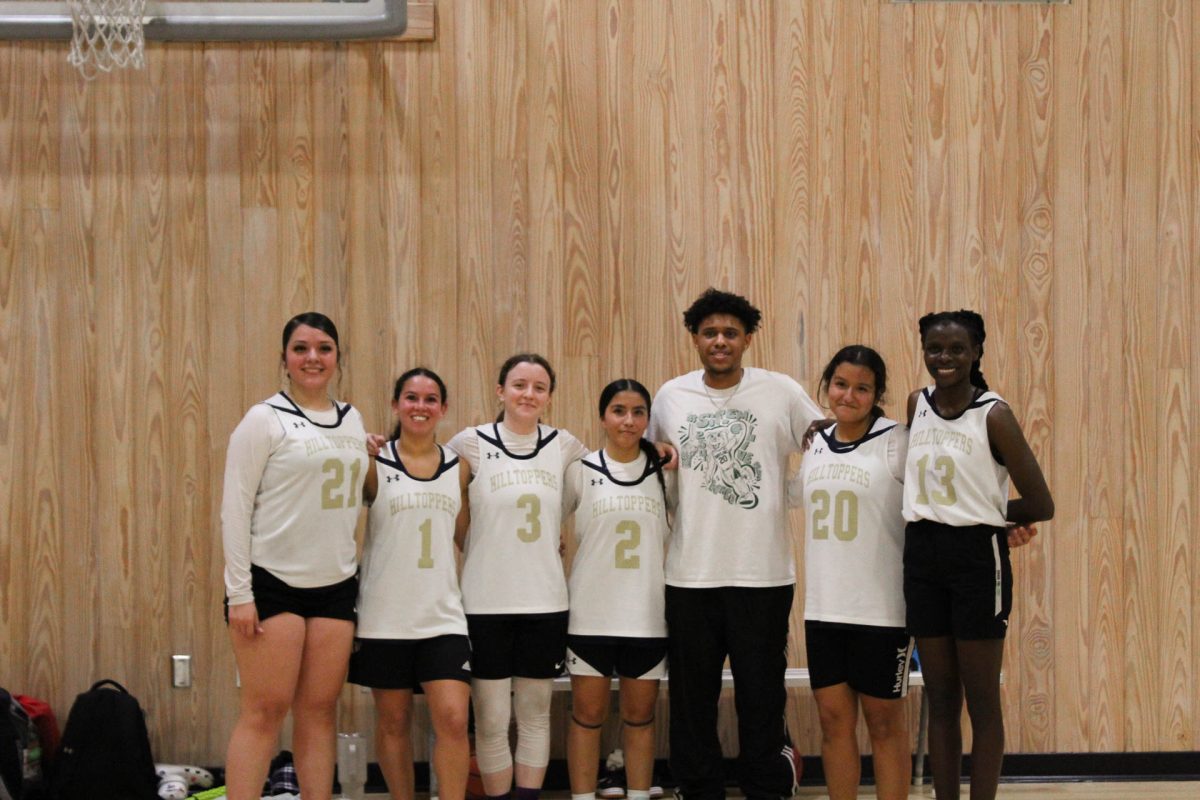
column 625, row 504
column 527, row 476
column 434, row 501
column 333, row 441
column 839, row 472
column 935, row 437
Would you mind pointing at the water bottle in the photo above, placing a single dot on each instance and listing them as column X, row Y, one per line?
column 352, row 765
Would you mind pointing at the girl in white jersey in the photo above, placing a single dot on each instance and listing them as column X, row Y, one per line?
column 293, row 478
column 514, row 591
column 964, row 445
column 858, row 651
column 617, row 620
column 412, row 631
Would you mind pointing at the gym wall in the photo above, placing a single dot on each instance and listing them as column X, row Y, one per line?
column 565, row 177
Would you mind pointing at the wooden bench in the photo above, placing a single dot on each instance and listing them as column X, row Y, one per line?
column 798, row 678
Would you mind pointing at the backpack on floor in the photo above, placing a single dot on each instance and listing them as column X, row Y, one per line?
column 20, row 753
column 105, row 748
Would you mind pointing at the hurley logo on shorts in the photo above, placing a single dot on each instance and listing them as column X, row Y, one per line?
column 901, row 666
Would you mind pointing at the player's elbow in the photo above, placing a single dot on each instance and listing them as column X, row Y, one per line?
column 1043, row 509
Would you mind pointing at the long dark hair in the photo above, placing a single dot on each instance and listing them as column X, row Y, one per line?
column 630, row 385
column 860, row 356
column 398, row 389
column 972, row 323
column 524, row 358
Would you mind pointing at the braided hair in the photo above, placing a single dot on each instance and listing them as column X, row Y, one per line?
column 972, row 323
column 630, row 385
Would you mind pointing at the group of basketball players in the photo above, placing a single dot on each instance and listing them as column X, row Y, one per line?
column 907, row 535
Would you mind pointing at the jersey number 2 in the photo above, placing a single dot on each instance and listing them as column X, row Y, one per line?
column 625, row 557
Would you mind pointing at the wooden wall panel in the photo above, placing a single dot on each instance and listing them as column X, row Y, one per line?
column 566, row 177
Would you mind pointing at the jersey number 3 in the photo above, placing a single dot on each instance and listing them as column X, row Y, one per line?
column 533, row 517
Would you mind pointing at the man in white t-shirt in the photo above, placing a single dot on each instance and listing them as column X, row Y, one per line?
column 730, row 571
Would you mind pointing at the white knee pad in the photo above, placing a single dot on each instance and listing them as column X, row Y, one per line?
column 531, row 701
column 493, row 710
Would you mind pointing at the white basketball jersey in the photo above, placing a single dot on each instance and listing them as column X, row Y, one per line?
column 950, row 475
column 409, row 581
column 617, row 585
column 306, row 509
column 854, row 531
column 512, row 561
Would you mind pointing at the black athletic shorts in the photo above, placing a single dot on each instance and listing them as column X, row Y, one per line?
column 957, row 580
column 272, row 596
column 871, row 660
column 407, row 663
column 623, row 656
column 517, row 645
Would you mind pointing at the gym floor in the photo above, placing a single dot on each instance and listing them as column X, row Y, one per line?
column 1108, row 790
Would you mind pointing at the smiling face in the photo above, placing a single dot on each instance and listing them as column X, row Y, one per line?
column 625, row 420
column 852, row 394
column 525, row 394
column 949, row 353
column 720, row 340
column 420, row 406
column 310, row 359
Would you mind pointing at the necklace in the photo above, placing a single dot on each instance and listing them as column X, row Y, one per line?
column 713, row 400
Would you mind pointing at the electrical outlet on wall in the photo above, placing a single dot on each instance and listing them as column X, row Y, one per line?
column 181, row 671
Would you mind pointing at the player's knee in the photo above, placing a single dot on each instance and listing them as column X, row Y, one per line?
column 885, row 723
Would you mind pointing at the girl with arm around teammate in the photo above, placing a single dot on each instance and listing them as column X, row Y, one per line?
column 964, row 446
column 293, row 478
column 617, row 619
column 411, row 627
column 513, row 587
column 858, row 651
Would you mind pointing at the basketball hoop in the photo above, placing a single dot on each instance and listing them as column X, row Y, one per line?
column 107, row 35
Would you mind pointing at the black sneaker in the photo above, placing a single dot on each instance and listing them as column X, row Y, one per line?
column 656, row 790
column 611, row 783
column 796, row 763
column 282, row 778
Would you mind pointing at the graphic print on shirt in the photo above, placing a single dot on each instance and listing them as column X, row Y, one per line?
column 717, row 444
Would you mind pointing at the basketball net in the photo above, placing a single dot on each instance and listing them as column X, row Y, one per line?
column 107, row 35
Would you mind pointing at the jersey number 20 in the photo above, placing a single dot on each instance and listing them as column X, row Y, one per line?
column 844, row 509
